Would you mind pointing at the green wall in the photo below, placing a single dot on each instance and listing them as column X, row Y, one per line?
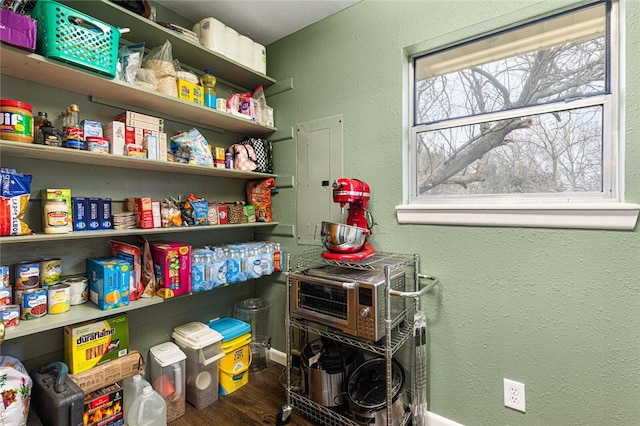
column 554, row 309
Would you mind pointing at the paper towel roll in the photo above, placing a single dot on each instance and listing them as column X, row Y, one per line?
column 230, row 46
column 259, row 58
column 245, row 51
column 196, row 29
column 212, row 34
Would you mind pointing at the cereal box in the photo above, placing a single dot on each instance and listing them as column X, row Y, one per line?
column 108, row 282
column 93, row 343
column 172, row 263
column 104, row 407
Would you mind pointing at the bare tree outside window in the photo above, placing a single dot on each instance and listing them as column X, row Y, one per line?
column 511, row 125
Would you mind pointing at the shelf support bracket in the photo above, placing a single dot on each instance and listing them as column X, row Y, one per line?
column 279, row 87
column 282, row 135
column 278, row 231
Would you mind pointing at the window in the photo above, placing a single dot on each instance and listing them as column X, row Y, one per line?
column 524, row 118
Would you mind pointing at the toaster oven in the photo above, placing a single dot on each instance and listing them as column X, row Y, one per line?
column 352, row 301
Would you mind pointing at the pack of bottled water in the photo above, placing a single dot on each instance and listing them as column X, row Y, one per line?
column 213, row 266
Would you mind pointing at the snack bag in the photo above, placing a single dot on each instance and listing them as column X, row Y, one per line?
column 148, row 275
column 193, row 145
column 14, row 198
column 195, row 211
column 259, row 195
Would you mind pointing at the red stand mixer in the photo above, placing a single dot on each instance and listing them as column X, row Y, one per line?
column 346, row 242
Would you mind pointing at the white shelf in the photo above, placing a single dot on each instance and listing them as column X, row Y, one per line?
column 185, row 50
column 77, row 313
column 82, row 235
column 66, row 155
column 33, row 67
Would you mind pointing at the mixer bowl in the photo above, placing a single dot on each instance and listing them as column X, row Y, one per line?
column 342, row 238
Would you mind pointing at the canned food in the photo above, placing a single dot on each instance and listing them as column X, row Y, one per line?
column 10, row 315
column 58, row 298
column 34, row 303
column 79, row 289
column 50, row 271
column 27, row 275
column 5, row 296
column 4, row 277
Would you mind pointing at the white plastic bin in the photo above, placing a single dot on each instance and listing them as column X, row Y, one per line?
column 203, row 348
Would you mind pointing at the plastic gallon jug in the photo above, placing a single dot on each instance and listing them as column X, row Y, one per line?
column 132, row 388
column 148, row 409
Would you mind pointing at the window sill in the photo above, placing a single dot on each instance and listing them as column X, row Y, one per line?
column 619, row 216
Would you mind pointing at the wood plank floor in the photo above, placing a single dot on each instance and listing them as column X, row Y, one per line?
column 256, row 403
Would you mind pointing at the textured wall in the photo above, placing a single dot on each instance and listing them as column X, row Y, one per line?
column 554, row 309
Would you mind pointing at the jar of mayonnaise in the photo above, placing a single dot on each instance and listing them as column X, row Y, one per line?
column 56, row 217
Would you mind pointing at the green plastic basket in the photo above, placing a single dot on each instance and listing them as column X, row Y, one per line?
column 75, row 38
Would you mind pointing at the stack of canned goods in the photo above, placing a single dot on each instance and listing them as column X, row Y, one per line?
column 37, row 289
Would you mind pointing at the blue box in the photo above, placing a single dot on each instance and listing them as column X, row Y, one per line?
column 79, row 213
column 93, row 213
column 108, row 282
column 91, row 128
column 105, row 213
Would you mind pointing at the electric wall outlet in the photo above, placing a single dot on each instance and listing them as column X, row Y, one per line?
column 514, row 395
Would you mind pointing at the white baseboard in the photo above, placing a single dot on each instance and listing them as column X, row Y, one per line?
column 433, row 419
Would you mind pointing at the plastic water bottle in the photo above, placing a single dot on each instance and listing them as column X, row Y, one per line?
column 208, row 82
column 148, row 409
column 254, row 265
column 219, row 267
column 198, row 270
column 131, row 389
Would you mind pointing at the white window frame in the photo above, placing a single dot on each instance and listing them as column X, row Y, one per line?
column 587, row 213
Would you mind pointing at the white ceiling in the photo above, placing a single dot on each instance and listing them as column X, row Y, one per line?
column 263, row 21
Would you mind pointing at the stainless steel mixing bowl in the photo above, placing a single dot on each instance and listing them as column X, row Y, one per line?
column 342, row 238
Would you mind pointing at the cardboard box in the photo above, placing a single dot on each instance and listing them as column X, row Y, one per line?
column 162, row 143
column 143, row 121
column 150, row 143
column 223, row 212
column 110, row 372
column 93, row 213
column 18, row 30
column 190, row 92
column 172, row 262
column 143, row 208
column 93, row 343
column 109, row 280
column 104, row 211
column 157, row 216
column 104, row 407
column 91, row 128
column 79, row 213
column 59, row 194
column 115, row 132
column 219, row 153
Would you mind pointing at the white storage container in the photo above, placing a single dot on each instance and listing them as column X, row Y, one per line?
column 168, row 377
column 203, row 348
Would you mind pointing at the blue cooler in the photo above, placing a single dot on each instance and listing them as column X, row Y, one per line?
column 234, row 365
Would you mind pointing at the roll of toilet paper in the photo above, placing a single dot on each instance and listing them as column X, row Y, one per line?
column 196, row 29
column 212, row 34
column 245, row 51
column 259, row 58
column 230, row 46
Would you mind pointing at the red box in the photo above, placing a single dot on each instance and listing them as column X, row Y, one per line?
column 144, row 212
column 172, row 264
column 223, row 212
column 104, row 406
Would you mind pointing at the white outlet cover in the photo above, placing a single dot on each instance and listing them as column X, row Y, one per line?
column 514, row 396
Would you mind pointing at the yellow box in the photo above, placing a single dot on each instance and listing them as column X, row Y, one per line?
column 190, row 92
column 93, row 343
column 218, row 153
